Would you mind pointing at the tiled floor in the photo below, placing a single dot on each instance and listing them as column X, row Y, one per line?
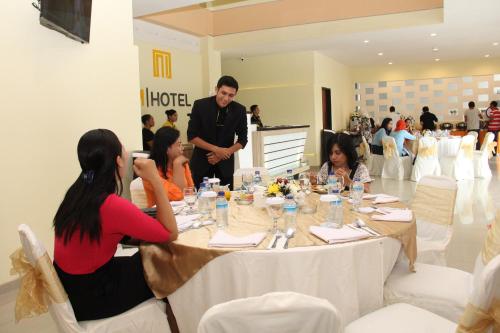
column 477, row 202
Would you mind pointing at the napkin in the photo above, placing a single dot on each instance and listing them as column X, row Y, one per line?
column 366, row 210
column 384, row 198
column 223, row 239
column 368, row 196
column 333, row 236
column 402, row 215
column 185, row 222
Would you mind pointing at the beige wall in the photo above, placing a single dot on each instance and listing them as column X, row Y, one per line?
column 186, row 79
column 54, row 89
column 287, row 87
column 441, row 69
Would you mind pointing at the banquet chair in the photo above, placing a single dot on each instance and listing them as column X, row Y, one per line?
column 481, row 157
column 137, row 193
column 444, row 291
column 461, row 166
column 149, row 316
column 374, row 162
column 475, row 135
column 237, row 181
column 427, row 162
column 273, row 312
column 433, row 206
column 395, row 166
column 477, row 317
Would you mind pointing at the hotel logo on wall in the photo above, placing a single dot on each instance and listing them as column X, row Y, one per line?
column 162, row 64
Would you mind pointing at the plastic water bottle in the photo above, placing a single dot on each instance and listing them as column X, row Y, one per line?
column 290, row 213
column 257, row 179
column 206, row 182
column 357, row 190
column 332, row 184
column 336, row 213
column 221, row 211
column 289, row 175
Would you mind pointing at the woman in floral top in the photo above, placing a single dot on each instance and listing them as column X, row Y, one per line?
column 344, row 162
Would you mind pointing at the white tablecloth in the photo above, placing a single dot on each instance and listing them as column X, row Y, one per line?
column 351, row 276
column 448, row 146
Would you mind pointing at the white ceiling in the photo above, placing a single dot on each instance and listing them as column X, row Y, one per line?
column 146, row 7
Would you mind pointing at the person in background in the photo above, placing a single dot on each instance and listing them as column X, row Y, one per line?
column 171, row 164
column 428, row 120
column 494, row 123
column 400, row 134
column 214, row 140
column 384, row 130
column 343, row 162
column 409, row 125
column 171, row 118
column 256, row 116
column 472, row 117
column 373, row 125
column 92, row 219
column 394, row 115
column 147, row 135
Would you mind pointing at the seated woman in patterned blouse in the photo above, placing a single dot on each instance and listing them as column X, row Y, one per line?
column 344, row 162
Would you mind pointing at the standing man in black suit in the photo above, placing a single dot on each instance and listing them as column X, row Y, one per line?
column 212, row 128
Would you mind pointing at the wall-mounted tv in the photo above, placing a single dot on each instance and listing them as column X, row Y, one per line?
column 70, row 17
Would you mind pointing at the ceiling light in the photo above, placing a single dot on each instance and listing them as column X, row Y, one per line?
column 495, row 43
column 380, row 54
column 366, row 41
column 437, row 59
column 389, row 63
column 435, row 49
column 434, row 34
column 486, row 55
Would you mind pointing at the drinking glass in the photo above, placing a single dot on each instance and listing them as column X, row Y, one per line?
column 304, row 182
column 190, row 196
column 207, row 202
column 340, row 184
column 247, row 179
column 275, row 211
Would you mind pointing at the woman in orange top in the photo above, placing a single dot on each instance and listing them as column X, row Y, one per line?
column 172, row 165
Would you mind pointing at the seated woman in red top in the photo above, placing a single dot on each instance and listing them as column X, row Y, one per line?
column 173, row 166
column 93, row 218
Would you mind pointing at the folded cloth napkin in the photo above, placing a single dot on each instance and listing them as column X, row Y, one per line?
column 366, row 210
column 185, row 222
column 223, row 239
column 342, row 235
column 368, row 196
column 402, row 215
column 384, row 198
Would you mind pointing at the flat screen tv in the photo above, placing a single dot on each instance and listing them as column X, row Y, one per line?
column 70, row 17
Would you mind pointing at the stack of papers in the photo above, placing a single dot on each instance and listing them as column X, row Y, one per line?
column 394, row 214
column 342, row 235
column 185, row 222
column 223, row 239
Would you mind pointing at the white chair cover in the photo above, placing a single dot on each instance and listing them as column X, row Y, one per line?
column 461, row 167
column 481, row 157
column 237, row 181
column 475, row 135
column 274, row 312
column 149, row 316
column 137, row 193
column 395, row 167
column 433, row 206
column 427, row 162
column 398, row 318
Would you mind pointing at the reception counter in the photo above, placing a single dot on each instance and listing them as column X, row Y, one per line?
column 280, row 148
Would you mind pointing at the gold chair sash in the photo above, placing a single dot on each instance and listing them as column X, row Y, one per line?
column 427, row 151
column 362, row 150
column 476, row 320
column 389, row 149
column 468, row 149
column 491, row 246
column 434, row 205
column 40, row 285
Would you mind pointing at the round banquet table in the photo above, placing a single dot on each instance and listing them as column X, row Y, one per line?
column 350, row 275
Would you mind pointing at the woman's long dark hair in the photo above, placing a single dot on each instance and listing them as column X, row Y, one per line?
column 164, row 138
column 79, row 210
column 346, row 146
column 384, row 124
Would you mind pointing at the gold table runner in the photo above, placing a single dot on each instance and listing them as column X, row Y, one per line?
column 168, row 266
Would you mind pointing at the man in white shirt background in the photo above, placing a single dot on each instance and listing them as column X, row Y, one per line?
column 472, row 118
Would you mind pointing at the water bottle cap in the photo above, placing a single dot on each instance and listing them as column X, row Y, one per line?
column 203, row 185
column 289, row 196
column 205, row 178
column 221, row 193
column 257, row 172
column 289, row 171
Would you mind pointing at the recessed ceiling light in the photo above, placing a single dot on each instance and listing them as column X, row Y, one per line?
column 495, row 43
column 434, row 34
column 486, row 55
column 380, row 53
column 389, row 63
column 435, row 49
column 437, row 59
column 366, row 41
